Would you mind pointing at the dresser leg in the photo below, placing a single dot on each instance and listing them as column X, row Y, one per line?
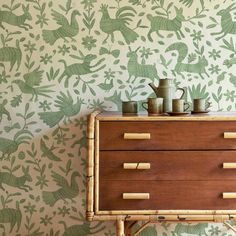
column 120, row 229
column 128, row 227
column 230, row 226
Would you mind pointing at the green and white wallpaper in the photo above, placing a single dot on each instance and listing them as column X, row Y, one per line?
column 62, row 59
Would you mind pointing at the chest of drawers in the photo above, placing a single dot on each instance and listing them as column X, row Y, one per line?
column 161, row 168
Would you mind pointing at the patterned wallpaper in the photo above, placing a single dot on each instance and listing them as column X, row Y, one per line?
column 60, row 60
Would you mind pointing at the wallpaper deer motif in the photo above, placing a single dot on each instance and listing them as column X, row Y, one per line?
column 60, row 60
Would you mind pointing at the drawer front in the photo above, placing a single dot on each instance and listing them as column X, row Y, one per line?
column 167, row 195
column 167, row 165
column 167, row 135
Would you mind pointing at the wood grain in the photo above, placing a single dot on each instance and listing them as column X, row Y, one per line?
column 136, row 166
column 183, row 153
column 136, row 196
column 137, row 136
column 176, row 135
column 229, row 165
column 231, row 195
column 168, row 165
column 230, row 135
column 165, row 195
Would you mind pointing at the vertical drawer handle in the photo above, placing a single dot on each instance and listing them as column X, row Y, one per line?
column 229, row 165
column 229, row 195
column 136, row 196
column 229, row 134
column 137, row 166
column 137, row 136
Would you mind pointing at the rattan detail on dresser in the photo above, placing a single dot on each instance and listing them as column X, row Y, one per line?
column 161, row 168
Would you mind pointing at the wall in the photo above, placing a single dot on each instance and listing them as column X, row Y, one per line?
column 46, row 90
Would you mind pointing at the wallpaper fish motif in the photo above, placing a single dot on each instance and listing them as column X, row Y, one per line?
column 60, row 60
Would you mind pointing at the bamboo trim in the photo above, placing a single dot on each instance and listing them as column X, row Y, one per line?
column 120, row 229
column 90, row 166
column 146, row 215
column 137, row 166
column 173, row 218
column 145, row 225
column 167, row 212
column 130, row 224
column 229, row 165
column 136, row 196
column 229, row 134
column 137, row 136
column 230, row 226
column 229, row 195
column 215, row 116
column 97, row 166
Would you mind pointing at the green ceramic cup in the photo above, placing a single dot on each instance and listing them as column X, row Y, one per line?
column 154, row 106
column 200, row 105
column 179, row 105
column 129, row 108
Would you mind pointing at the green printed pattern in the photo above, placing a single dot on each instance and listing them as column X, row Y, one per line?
column 60, row 60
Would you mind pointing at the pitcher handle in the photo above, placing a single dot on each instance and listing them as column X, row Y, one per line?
column 182, row 89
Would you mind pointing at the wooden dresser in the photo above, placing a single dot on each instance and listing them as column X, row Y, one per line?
column 161, row 168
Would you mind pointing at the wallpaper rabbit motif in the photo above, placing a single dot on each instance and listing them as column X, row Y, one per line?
column 60, row 60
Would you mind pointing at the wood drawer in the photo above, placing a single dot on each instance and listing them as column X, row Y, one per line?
column 167, row 195
column 167, row 165
column 167, row 135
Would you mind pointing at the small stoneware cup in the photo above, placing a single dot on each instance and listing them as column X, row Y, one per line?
column 200, row 104
column 154, row 106
column 129, row 107
column 179, row 105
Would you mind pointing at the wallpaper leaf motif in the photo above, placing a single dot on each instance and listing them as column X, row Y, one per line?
column 60, row 60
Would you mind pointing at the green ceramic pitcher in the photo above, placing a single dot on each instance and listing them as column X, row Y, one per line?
column 166, row 90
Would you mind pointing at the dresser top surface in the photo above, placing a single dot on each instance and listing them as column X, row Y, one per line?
column 117, row 116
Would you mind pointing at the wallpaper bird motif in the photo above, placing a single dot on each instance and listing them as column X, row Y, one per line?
column 60, row 60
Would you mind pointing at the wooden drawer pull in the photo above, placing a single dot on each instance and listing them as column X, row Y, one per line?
column 229, row 134
column 137, row 166
column 137, row 136
column 229, row 195
column 229, row 165
column 136, row 196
